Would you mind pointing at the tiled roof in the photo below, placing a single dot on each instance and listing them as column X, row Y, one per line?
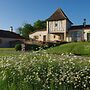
column 58, row 15
column 80, row 27
column 8, row 34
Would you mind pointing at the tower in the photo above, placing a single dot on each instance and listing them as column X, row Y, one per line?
column 11, row 29
column 58, row 24
column 84, row 23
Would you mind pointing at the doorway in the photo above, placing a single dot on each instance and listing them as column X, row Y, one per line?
column 61, row 37
column 44, row 38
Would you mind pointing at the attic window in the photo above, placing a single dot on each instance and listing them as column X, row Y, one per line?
column 56, row 24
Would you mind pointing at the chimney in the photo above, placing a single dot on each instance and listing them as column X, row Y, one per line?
column 11, row 29
column 84, row 23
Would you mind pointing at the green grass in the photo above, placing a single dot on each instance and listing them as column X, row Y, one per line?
column 7, row 49
column 8, row 52
column 42, row 71
column 77, row 48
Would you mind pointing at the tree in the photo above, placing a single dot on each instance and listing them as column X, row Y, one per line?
column 26, row 30
column 39, row 25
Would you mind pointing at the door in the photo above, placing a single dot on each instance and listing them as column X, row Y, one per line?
column 61, row 37
column 44, row 38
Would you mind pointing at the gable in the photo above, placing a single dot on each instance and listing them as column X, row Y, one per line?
column 58, row 15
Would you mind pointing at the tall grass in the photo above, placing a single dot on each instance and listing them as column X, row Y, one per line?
column 42, row 71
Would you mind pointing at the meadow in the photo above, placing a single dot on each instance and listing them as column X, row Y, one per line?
column 42, row 71
column 56, row 68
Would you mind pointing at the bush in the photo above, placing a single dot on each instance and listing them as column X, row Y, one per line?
column 52, row 44
column 33, row 47
column 18, row 47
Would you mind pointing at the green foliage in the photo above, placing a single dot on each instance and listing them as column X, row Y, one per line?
column 26, row 30
column 18, row 47
column 77, row 48
column 42, row 71
column 52, row 44
column 40, row 25
column 32, row 47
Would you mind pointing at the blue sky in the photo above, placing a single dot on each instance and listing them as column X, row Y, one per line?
column 18, row 12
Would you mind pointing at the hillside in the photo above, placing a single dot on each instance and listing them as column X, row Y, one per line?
column 77, row 48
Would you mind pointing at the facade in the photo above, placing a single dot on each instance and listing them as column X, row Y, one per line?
column 80, row 33
column 39, row 35
column 9, row 39
column 60, row 28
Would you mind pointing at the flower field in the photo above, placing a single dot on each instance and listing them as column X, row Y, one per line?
column 42, row 71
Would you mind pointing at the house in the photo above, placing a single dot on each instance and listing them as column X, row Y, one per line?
column 80, row 33
column 39, row 35
column 9, row 38
column 60, row 28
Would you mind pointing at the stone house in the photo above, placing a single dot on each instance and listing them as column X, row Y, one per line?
column 9, row 39
column 60, row 28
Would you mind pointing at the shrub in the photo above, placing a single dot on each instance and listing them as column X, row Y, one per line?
column 18, row 47
column 33, row 47
column 52, row 44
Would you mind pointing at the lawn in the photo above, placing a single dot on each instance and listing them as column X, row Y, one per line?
column 76, row 48
column 7, row 49
column 42, row 71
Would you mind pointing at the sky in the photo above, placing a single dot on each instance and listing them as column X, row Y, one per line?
column 17, row 12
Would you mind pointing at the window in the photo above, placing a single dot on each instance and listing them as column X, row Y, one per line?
column 56, row 24
column 76, row 34
column 44, row 38
column 36, row 37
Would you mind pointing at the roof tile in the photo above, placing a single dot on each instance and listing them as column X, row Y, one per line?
column 8, row 34
column 58, row 15
column 80, row 27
